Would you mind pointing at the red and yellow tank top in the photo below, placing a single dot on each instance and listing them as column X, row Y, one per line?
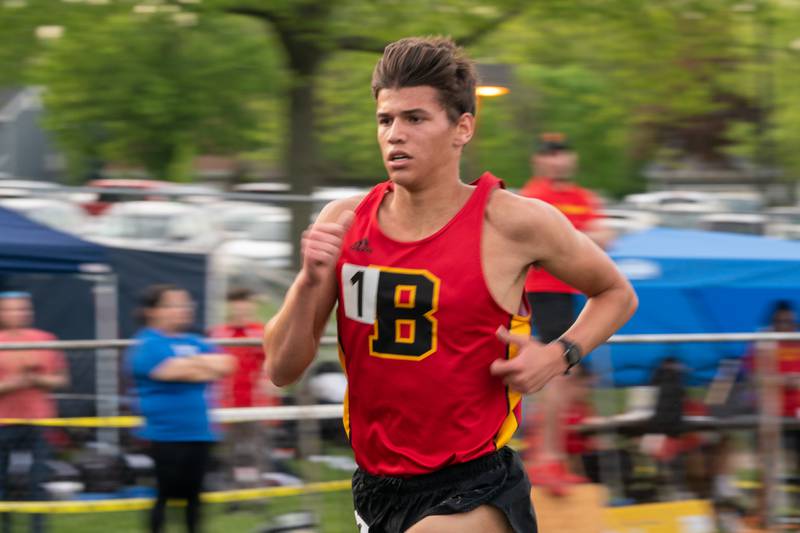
column 417, row 329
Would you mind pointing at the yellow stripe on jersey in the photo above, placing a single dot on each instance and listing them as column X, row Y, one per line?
column 346, row 410
column 520, row 325
column 572, row 209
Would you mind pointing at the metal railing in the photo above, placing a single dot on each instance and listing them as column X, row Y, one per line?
column 642, row 338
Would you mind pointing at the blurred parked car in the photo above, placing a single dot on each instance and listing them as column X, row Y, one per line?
column 58, row 214
column 157, row 224
column 235, row 218
column 682, row 216
column 195, row 193
column 264, row 247
column 327, row 194
column 784, row 215
column 784, row 222
column 263, row 187
column 661, row 199
column 12, row 188
column 741, row 202
column 98, row 203
column 320, row 195
column 274, row 189
column 625, row 221
column 746, row 223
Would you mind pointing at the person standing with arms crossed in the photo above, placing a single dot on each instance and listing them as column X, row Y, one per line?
column 553, row 301
column 172, row 370
column 429, row 274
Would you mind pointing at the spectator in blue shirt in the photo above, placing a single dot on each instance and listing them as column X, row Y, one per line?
column 172, row 369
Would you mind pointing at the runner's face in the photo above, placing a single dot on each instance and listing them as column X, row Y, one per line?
column 417, row 141
column 15, row 313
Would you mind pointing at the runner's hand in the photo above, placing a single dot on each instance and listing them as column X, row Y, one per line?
column 322, row 244
column 534, row 365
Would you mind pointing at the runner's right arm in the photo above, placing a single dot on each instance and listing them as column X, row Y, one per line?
column 292, row 337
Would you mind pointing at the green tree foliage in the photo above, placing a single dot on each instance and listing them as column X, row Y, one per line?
column 347, row 119
column 24, row 28
column 155, row 89
column 629, row 81
column 676, row 77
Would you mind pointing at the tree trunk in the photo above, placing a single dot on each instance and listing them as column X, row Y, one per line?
column 302, row 158
column 302, row 155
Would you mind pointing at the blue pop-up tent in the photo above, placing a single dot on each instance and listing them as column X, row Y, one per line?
column 699, row 282
column 73, row 290
column 26, row 246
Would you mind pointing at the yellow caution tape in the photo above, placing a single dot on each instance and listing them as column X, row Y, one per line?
column 139, row 504
column 231, row 415
column 83, row 421
column 754, row 485
column 274, row 492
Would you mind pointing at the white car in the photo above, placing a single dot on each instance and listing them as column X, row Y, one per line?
column 192, row 193
column 625, row 221
column 784, row 222
column 682, row 216
column 663, row 199
column 235, row 218
column 13, row 188
column 157, row 225
column 741, row 202
column 746, row 223
column 327, row 194
column 319, row 196
column 263, row 248
column 784, row 215
column 58, row 214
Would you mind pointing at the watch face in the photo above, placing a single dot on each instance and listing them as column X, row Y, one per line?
column 572, row 355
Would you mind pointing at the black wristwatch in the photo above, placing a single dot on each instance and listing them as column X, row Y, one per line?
column 572, row 353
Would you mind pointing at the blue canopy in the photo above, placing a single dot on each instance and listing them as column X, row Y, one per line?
column 699, row 282
column 26, row 246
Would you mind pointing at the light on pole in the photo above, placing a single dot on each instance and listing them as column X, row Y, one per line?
column 494, row 79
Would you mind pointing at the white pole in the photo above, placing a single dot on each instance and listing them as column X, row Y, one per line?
column 107, row 363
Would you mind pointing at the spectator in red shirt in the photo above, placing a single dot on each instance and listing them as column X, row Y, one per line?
column 243, row 388
column 780, row 358
column 553, row 301
column 771, row 372
column 246, row 387
column 26, row 379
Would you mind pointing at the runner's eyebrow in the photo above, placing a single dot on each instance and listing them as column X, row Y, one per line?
column 405, row 113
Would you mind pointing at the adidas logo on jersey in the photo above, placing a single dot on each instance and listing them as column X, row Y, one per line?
column 361, row 246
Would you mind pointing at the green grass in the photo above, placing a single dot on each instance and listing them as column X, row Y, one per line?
column 334, row 511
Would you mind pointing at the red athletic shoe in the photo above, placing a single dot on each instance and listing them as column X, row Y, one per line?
column 548, row 475
column 568, row 477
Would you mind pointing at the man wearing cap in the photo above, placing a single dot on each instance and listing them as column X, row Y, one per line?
column 553, row 301
column 26, row 379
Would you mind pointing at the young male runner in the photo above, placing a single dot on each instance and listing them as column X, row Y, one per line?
column 428, row 273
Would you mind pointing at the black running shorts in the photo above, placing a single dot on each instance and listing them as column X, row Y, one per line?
column 392, row 505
